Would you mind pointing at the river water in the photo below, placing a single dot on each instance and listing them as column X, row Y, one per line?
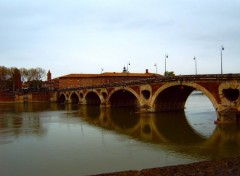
column 50, row 139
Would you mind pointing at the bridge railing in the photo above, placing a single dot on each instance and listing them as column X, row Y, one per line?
column 159, row 79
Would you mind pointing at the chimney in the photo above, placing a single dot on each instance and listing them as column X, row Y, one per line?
column 49, row 75
column 146, row 70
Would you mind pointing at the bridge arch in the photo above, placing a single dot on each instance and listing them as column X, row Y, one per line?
column 173, row 96
column 62, row 98
column 92, row 98
column 74, row 97
column 123, row 96
column 81, row 94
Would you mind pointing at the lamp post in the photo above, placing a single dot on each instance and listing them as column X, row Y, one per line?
column 166, row 56
column 156, row 67
column 195, row 64
column 222, row 48
column 127, row 66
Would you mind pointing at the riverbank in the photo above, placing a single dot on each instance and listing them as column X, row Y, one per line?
column 223, row 167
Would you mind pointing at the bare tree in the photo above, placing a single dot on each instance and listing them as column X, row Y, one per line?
column 41, row 73
column 31, row 74
column 24, row 74
column 12, row 78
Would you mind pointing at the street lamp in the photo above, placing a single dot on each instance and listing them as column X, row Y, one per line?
column 156, row 67
column 127, row 66
column 195, row 64
column 222, row 48
column 166, row 56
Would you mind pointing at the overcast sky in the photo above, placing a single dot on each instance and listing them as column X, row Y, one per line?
column 83, row 36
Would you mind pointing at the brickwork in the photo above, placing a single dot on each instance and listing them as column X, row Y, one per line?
column 7, row 97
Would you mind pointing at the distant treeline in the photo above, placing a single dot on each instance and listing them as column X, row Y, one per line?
column 12, row 78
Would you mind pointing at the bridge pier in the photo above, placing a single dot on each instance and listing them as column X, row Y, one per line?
column 229, row 104
column 83, row 101
column 146, row 108
column 103, row 105
column 228, row 116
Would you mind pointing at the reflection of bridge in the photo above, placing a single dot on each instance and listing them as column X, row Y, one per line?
column 152, row 127
column 162, row 94
column 158, row 128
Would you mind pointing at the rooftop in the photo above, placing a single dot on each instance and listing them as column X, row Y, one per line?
column 110, row 74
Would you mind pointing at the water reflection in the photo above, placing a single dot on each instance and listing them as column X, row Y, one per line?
column 18, row 120
column 225, row 141
column 154, row 127
column 168, row 131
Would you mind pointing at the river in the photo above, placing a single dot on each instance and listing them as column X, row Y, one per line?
column 51, row 139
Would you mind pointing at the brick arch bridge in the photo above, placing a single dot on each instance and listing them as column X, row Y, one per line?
column 162, row 94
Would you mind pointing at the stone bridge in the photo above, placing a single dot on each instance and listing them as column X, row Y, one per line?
column 162, row 94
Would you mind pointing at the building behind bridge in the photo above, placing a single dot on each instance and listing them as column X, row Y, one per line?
column 83, row 80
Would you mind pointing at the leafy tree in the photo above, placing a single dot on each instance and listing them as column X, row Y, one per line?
column 169, row 73
column 3, row 73
column 10, row 78
column 16, row 77
column 3, row 77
